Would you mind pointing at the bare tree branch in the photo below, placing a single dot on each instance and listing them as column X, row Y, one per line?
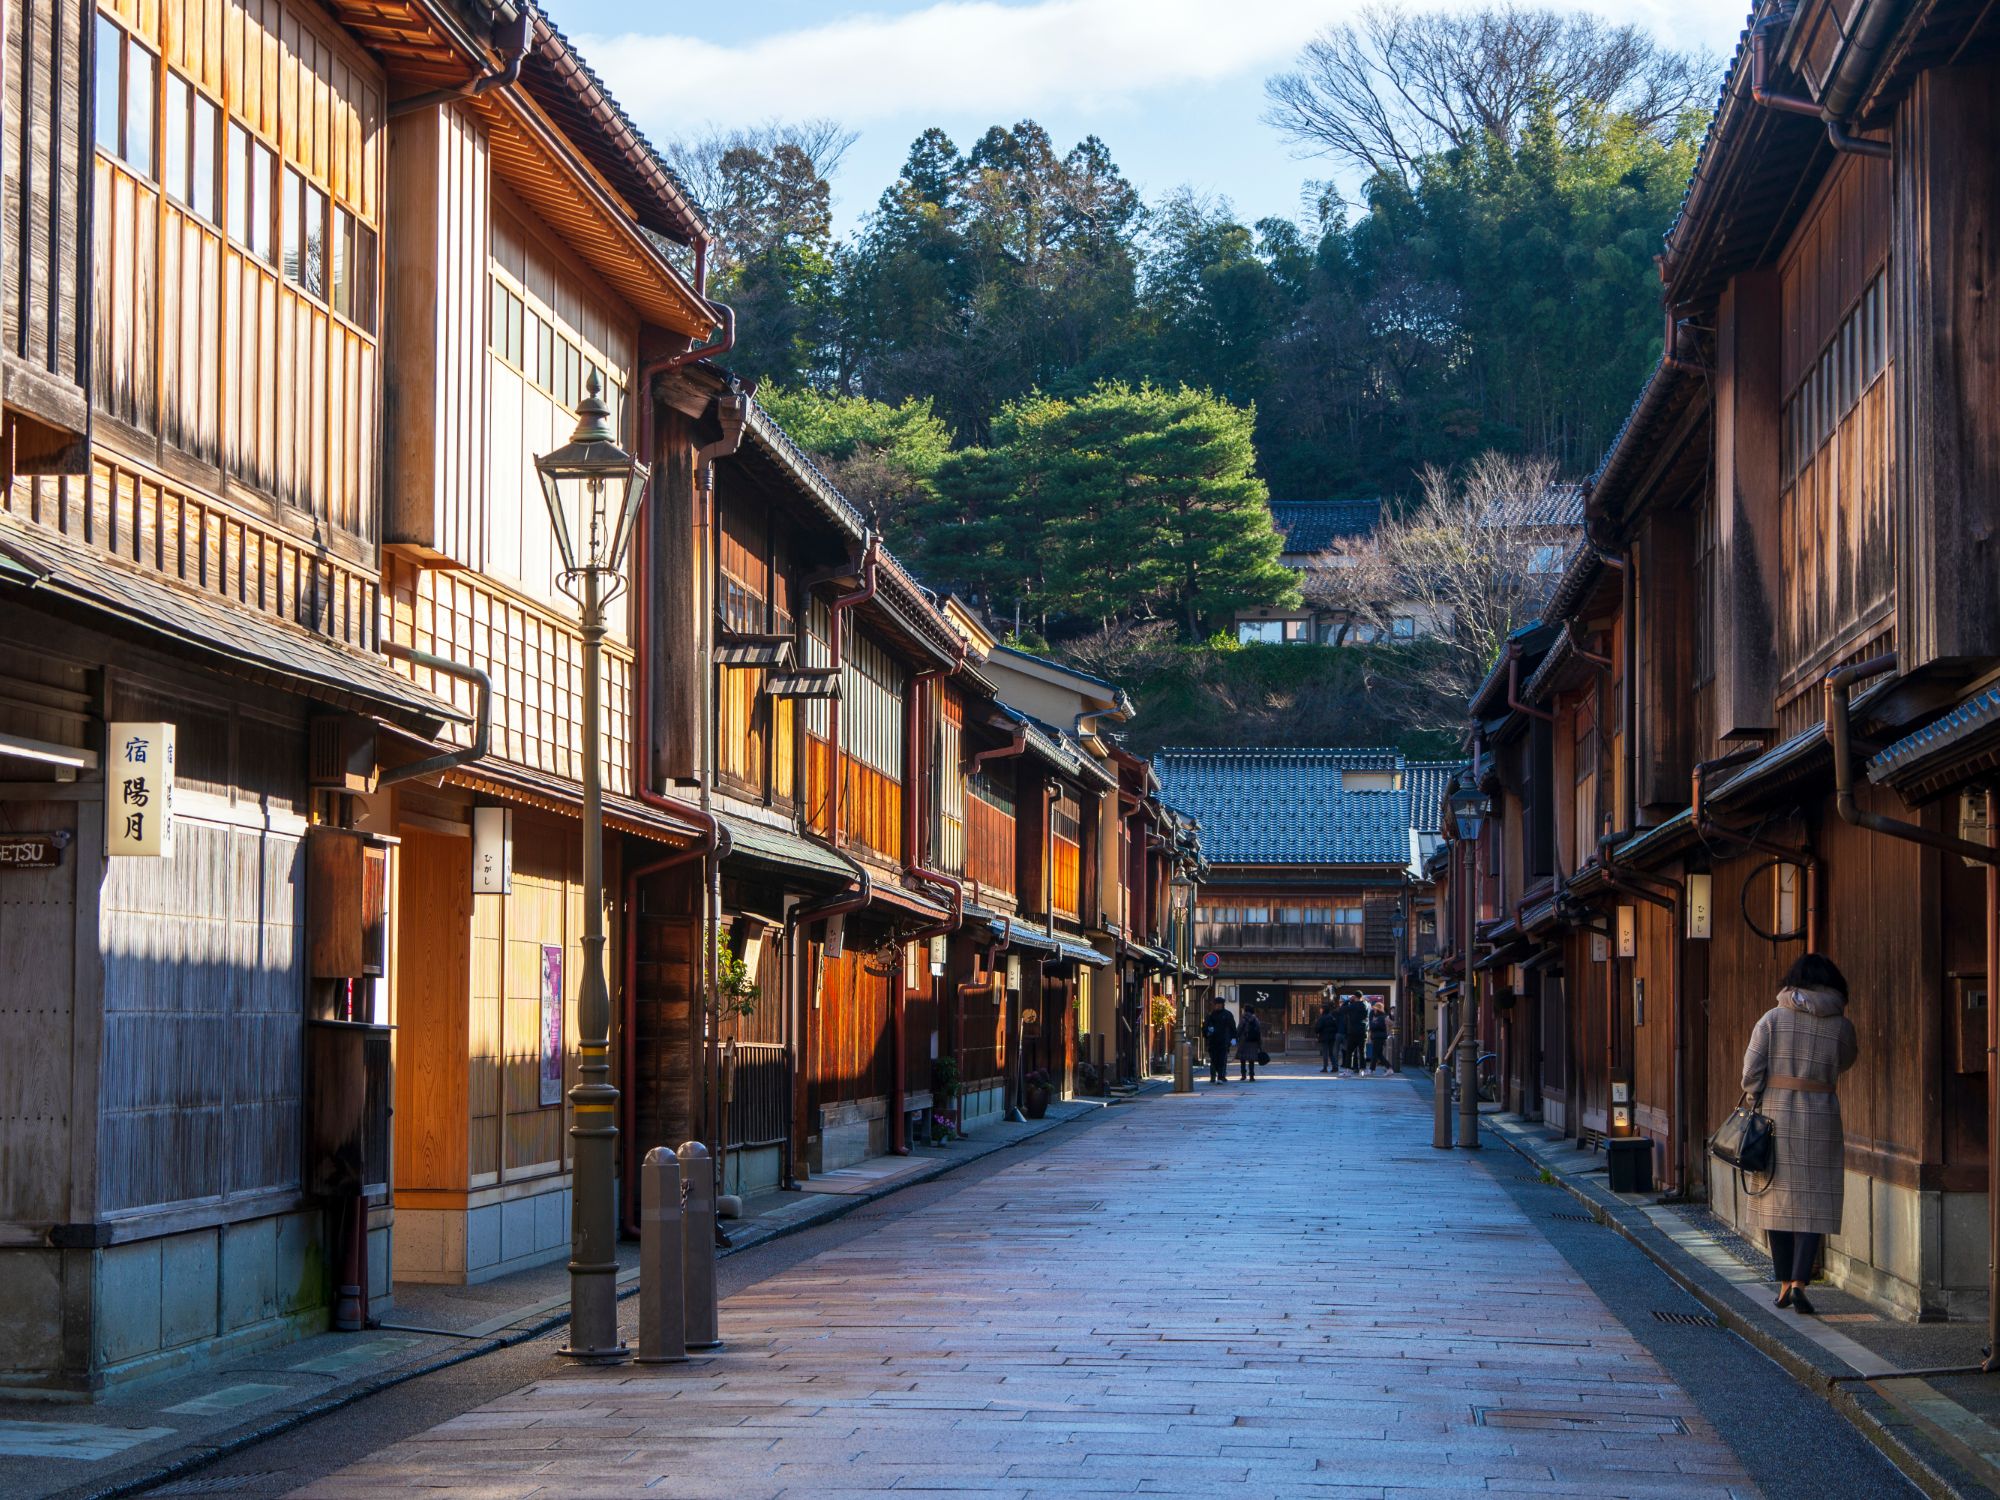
column 1397, row 86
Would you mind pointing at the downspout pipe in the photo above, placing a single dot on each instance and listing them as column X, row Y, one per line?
column 1839, row 735
column 1008, row 751
column 916, row 824
column 1841, row 90
column 711, row 841
column 1602, row 663
column 514, row 41
column 482, row 728
column 1514, row 687
column 837, row 652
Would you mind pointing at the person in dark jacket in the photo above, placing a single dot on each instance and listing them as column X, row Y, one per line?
column 1327, row 1029
column 1378, row 1038
column 1220, row 1034
column 1355, row 1013
column 1249, row 1045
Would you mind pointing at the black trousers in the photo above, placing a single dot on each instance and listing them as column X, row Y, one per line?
column 1246, row 1065
column 1794, row 1254
column 1327, row 1061
column 1218, row 1064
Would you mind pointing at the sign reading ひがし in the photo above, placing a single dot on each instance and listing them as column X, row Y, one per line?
column 139, row 789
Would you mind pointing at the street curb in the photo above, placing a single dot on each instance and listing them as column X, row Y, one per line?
column 1926, row 1463
column 238, row 1440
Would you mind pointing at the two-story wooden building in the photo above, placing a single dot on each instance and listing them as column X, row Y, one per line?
column 295, row 293
column 1310, row 856
column 1763, row 685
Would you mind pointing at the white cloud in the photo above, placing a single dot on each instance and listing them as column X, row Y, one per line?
column 960, row 56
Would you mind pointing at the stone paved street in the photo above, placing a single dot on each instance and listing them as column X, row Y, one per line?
column 1271, row 1290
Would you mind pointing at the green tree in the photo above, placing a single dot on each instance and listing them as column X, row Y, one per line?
column 883, row 457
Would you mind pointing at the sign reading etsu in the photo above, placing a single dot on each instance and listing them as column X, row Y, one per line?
column 139, row 790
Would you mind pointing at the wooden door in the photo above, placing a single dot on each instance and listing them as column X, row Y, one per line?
column 433, row 996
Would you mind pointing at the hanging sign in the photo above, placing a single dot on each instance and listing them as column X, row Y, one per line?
column 32, row 851
column 1013, row 971
column 552, row 1024
column 1628, row 932
column 492, row 851
column 1700, row 905
column 937, row 956
column 1600, row 950
column 139, row 790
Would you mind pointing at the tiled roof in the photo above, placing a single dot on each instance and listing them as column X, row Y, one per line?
column 211, row 625
column 1288, row 807
column 1315, row 525
column 1426, row 780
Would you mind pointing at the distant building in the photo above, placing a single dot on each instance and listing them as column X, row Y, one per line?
column 1313, row 858
column 1323, row 535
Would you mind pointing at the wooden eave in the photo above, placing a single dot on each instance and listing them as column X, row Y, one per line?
column 543, row 165
column 544, row 170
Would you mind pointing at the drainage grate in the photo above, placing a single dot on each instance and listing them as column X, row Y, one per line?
column 1686, row 1319
column 217, row 1484
column 1575, row 1218
column 1635, row 1423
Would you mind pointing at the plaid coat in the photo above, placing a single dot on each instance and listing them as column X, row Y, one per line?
column 1805, row 1035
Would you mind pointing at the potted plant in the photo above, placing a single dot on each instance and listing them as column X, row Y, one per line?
column 1037, row 1089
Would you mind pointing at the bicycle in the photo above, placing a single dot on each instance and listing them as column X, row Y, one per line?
column 1486, row 1084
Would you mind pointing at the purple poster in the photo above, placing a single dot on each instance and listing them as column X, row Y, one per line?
column 552, row 1023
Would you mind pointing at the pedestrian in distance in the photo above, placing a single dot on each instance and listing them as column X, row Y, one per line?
column 1340, row 1036
column 1327, row 1029
column 1356, row 1014
column 1249, row 1045
column 1378, row 1039
column 1797, row 1052
column 1220, row 1034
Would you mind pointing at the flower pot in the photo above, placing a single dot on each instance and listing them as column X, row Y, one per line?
column 1035, row 1101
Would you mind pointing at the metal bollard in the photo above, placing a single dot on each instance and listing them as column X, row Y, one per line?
column 698, row 1238
column 1441, row 1107
column 1184, row 1067
column 662, row 1257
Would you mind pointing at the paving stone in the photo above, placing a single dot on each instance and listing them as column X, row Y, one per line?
column 1341, row 1313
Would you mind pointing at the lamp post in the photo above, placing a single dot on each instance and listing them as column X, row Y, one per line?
column 1469, row 807
column 593, row 489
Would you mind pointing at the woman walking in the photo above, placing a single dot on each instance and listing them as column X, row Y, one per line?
column 1797, row 1052
column 1249, row 1044
column 1378, row 1039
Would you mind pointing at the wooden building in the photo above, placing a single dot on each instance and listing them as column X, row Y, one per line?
column 1311, row 859
column 299, row 292
column 1756, row 718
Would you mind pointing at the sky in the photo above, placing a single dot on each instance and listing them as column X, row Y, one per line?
column 1174, row 87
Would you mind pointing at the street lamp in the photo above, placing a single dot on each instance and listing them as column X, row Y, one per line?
column 593, row 489
column 1469, row 809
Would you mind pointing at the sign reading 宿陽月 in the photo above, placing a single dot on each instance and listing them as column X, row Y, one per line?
column 139, row 790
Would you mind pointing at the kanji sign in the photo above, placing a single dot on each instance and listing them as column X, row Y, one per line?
column 139, row 790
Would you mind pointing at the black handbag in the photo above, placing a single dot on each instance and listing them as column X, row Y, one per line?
column 1747, row 1140
column 1263, row 1057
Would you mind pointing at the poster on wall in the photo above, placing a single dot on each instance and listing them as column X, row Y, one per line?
column 552, row 1023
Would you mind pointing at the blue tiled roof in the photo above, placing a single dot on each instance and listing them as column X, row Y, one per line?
column 1288, row 807
column 1315, row 525
column 1426, row 781
column 1974, row 716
